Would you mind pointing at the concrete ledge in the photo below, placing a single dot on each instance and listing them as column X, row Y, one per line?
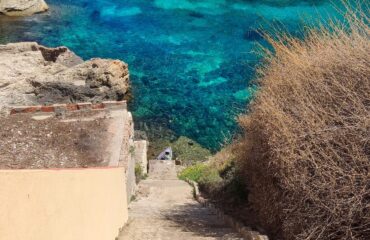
column 69, row 107
column 246, row 232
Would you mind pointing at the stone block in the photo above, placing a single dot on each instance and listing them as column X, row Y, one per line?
column 141, row 148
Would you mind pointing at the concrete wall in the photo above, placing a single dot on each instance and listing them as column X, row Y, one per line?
column 130, row 179
column 141, row 148
column 74, row 204
column 127, row 159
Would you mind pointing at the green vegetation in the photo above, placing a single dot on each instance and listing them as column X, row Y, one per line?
column 133, row 198
column 218, row 178
column 139, row 173
column 207, row 177
column 132, row 150
column 194, row 172
column 184, row 149
column 189, row 151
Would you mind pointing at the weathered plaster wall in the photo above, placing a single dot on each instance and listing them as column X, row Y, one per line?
column 75, row 204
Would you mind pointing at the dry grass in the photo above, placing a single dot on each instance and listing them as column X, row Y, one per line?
column 223, row 158
column 305, row 152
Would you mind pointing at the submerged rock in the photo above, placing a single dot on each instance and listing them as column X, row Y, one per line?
column 22, row 7
column 33, row 74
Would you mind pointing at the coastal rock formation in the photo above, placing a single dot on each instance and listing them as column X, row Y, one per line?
column 33, row 74
column 22, row 7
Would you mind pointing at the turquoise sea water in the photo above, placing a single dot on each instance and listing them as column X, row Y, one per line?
column 191, row 61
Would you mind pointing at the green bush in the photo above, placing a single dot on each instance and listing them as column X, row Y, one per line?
column 189, row 151
column 194, row 172
column 220, row 182
column 139, row 173
column 206, row 176
column 209, row 176
column 233, row 188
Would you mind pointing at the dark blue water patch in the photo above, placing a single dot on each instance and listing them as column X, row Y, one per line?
column 196, row 15
column 191, row 62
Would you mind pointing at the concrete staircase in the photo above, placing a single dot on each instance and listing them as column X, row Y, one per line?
column 165, row 210
column 162, row 169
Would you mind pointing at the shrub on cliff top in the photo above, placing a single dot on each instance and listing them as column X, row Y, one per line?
column 189, row 151
column 305, row 153
column 201, row 173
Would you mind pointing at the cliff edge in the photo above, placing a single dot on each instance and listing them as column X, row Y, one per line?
column 32, row 74
column 22, row 7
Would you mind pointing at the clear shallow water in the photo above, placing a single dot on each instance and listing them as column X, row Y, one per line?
column 191, row 61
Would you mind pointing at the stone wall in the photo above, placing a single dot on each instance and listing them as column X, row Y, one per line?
column 127, row 157
column 66, row 136
column 60, row 108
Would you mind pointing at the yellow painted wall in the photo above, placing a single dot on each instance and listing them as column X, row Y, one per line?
column 81, row 204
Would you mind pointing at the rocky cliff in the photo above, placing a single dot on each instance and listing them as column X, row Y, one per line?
column 33, row 74
column 22, row 7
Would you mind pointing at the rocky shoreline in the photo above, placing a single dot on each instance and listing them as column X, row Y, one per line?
column 32, row 74
column 22, row 7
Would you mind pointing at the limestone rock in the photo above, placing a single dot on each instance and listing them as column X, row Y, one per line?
column 22, row 7
column 33, row 74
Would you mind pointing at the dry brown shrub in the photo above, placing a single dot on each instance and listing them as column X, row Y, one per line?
column 306, row 147
column 223, row 158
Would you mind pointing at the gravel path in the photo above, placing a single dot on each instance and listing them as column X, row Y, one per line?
column 166, row 210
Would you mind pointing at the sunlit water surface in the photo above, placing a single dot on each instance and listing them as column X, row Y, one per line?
column 191, row 61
